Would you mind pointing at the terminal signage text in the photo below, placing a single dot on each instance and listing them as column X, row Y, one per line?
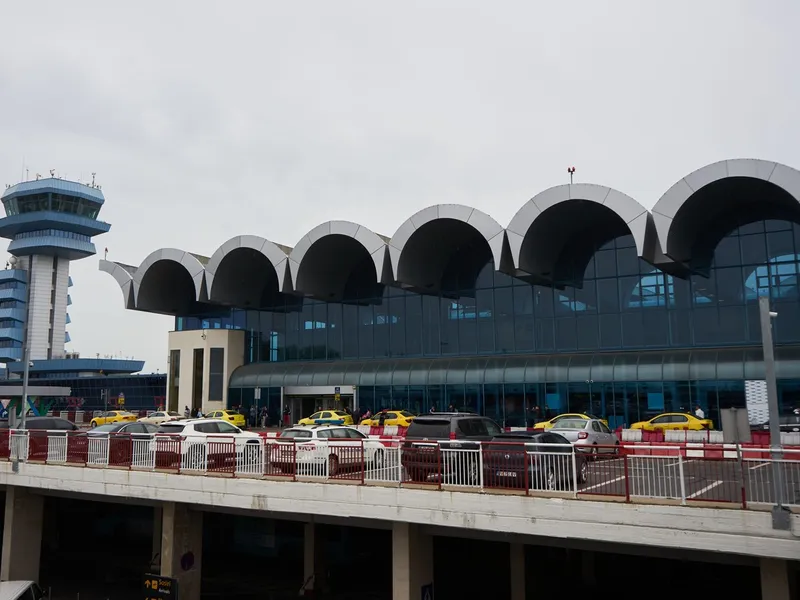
column 159, row 588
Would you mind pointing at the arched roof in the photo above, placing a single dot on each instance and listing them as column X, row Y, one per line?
column 124, row 278
column 489, row 229
column 557, row 231
column 274, row 253
column 676, row 234
column 190, row 262
column 338, row 257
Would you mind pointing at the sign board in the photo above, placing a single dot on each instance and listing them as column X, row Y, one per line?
column 121, row 399
column 427, row 592
column 337, row 393
column 156, row 587
column 257, row 394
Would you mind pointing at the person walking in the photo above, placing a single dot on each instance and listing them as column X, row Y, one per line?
column 698, row 412
column 264, row 417
column 186, row 412
column 253, row 415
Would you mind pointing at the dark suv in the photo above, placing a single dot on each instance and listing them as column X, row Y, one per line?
column 428, row 435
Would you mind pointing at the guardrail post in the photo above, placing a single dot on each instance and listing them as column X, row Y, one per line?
column 627, row 478
column 574, row 473
column 740, row 459
column 480, row 465
column 681, row 477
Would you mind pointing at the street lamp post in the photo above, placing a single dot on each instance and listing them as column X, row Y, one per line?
column 780, row 516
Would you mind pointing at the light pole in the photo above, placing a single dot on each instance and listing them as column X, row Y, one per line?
column 780, row 516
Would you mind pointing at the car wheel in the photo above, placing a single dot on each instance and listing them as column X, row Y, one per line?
column 333, row 465
column 94, row 424
column 379, row 459
column 583, row 472
column 550, row 482
column 472, row 473
column 197, row 458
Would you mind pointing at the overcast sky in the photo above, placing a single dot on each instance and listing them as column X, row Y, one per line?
column 206, row 120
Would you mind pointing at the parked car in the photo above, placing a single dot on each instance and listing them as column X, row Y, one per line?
column 429, row 435
column 328, row 417
column 674, row 421
column 401, row 418
column 112, row 416
column 125, row 440
column 231, row 416
column 161, row 416
column 336, row 446
column 48, row 423
column 546, row 456
column 136, row 429
column 592, row 436
column 41, row 429
column 197, row 443
column 552, row 422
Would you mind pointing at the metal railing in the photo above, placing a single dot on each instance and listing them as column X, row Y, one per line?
column 683, row 473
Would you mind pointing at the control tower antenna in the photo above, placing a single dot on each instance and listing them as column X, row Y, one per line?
column 93, row 174
column 571, row 171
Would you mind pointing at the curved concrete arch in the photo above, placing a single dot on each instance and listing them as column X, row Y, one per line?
column 634, row 215
column 124, row 278
column 188, row 261
column 272, row 252
column 309, row 282
column 780, row 177
column 486, row 226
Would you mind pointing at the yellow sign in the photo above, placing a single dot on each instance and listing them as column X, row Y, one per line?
column 160, row 588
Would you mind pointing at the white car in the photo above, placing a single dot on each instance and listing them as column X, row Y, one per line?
column 161, row 416
column 325, row 450
column 201, row 441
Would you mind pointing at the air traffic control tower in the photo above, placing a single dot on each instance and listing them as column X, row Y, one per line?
column 50, row 223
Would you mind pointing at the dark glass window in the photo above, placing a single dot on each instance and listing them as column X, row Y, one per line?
column 216, row 374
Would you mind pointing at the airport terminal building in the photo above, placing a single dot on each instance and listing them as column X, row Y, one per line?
column 585, row 302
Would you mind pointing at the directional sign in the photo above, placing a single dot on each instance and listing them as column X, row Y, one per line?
column 121, row 399
column 337, row 393
column 156, row 587
column 427, row 592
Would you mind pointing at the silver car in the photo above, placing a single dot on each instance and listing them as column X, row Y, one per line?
column 588, row 435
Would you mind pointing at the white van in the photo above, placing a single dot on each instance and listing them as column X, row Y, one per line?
column 20, row 590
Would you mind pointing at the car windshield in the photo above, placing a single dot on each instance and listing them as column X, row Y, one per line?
column 295, row 433
column 173, row 414
column 171, row 428
column 571, row 424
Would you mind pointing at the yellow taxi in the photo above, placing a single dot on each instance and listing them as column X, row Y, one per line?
column 674, row 421
column 113, row 416
column 401, row 418
column 551, row 423
column 231, row 416
column 328, row 417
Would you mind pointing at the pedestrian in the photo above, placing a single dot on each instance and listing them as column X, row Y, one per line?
column 433, row 409
column 199, row 414
column 287, row 417
column 698, row 412
column 253, row 415
column 264, row 417
column 382, row 418
column 186, row 412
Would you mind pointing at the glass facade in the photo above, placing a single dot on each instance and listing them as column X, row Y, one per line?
column 52, row 201
column 624, row 304
column 141, row 392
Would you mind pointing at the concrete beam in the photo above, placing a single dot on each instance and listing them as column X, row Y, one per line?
column 745, row 532
column 774, row 579
column 412, row 561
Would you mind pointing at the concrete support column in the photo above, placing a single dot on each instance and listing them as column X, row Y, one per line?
column 155, row 554
column 774, row 579
column 182, row 547
column 22, row 535
column 412, row 561
column 309, row 555
column 517, row 561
